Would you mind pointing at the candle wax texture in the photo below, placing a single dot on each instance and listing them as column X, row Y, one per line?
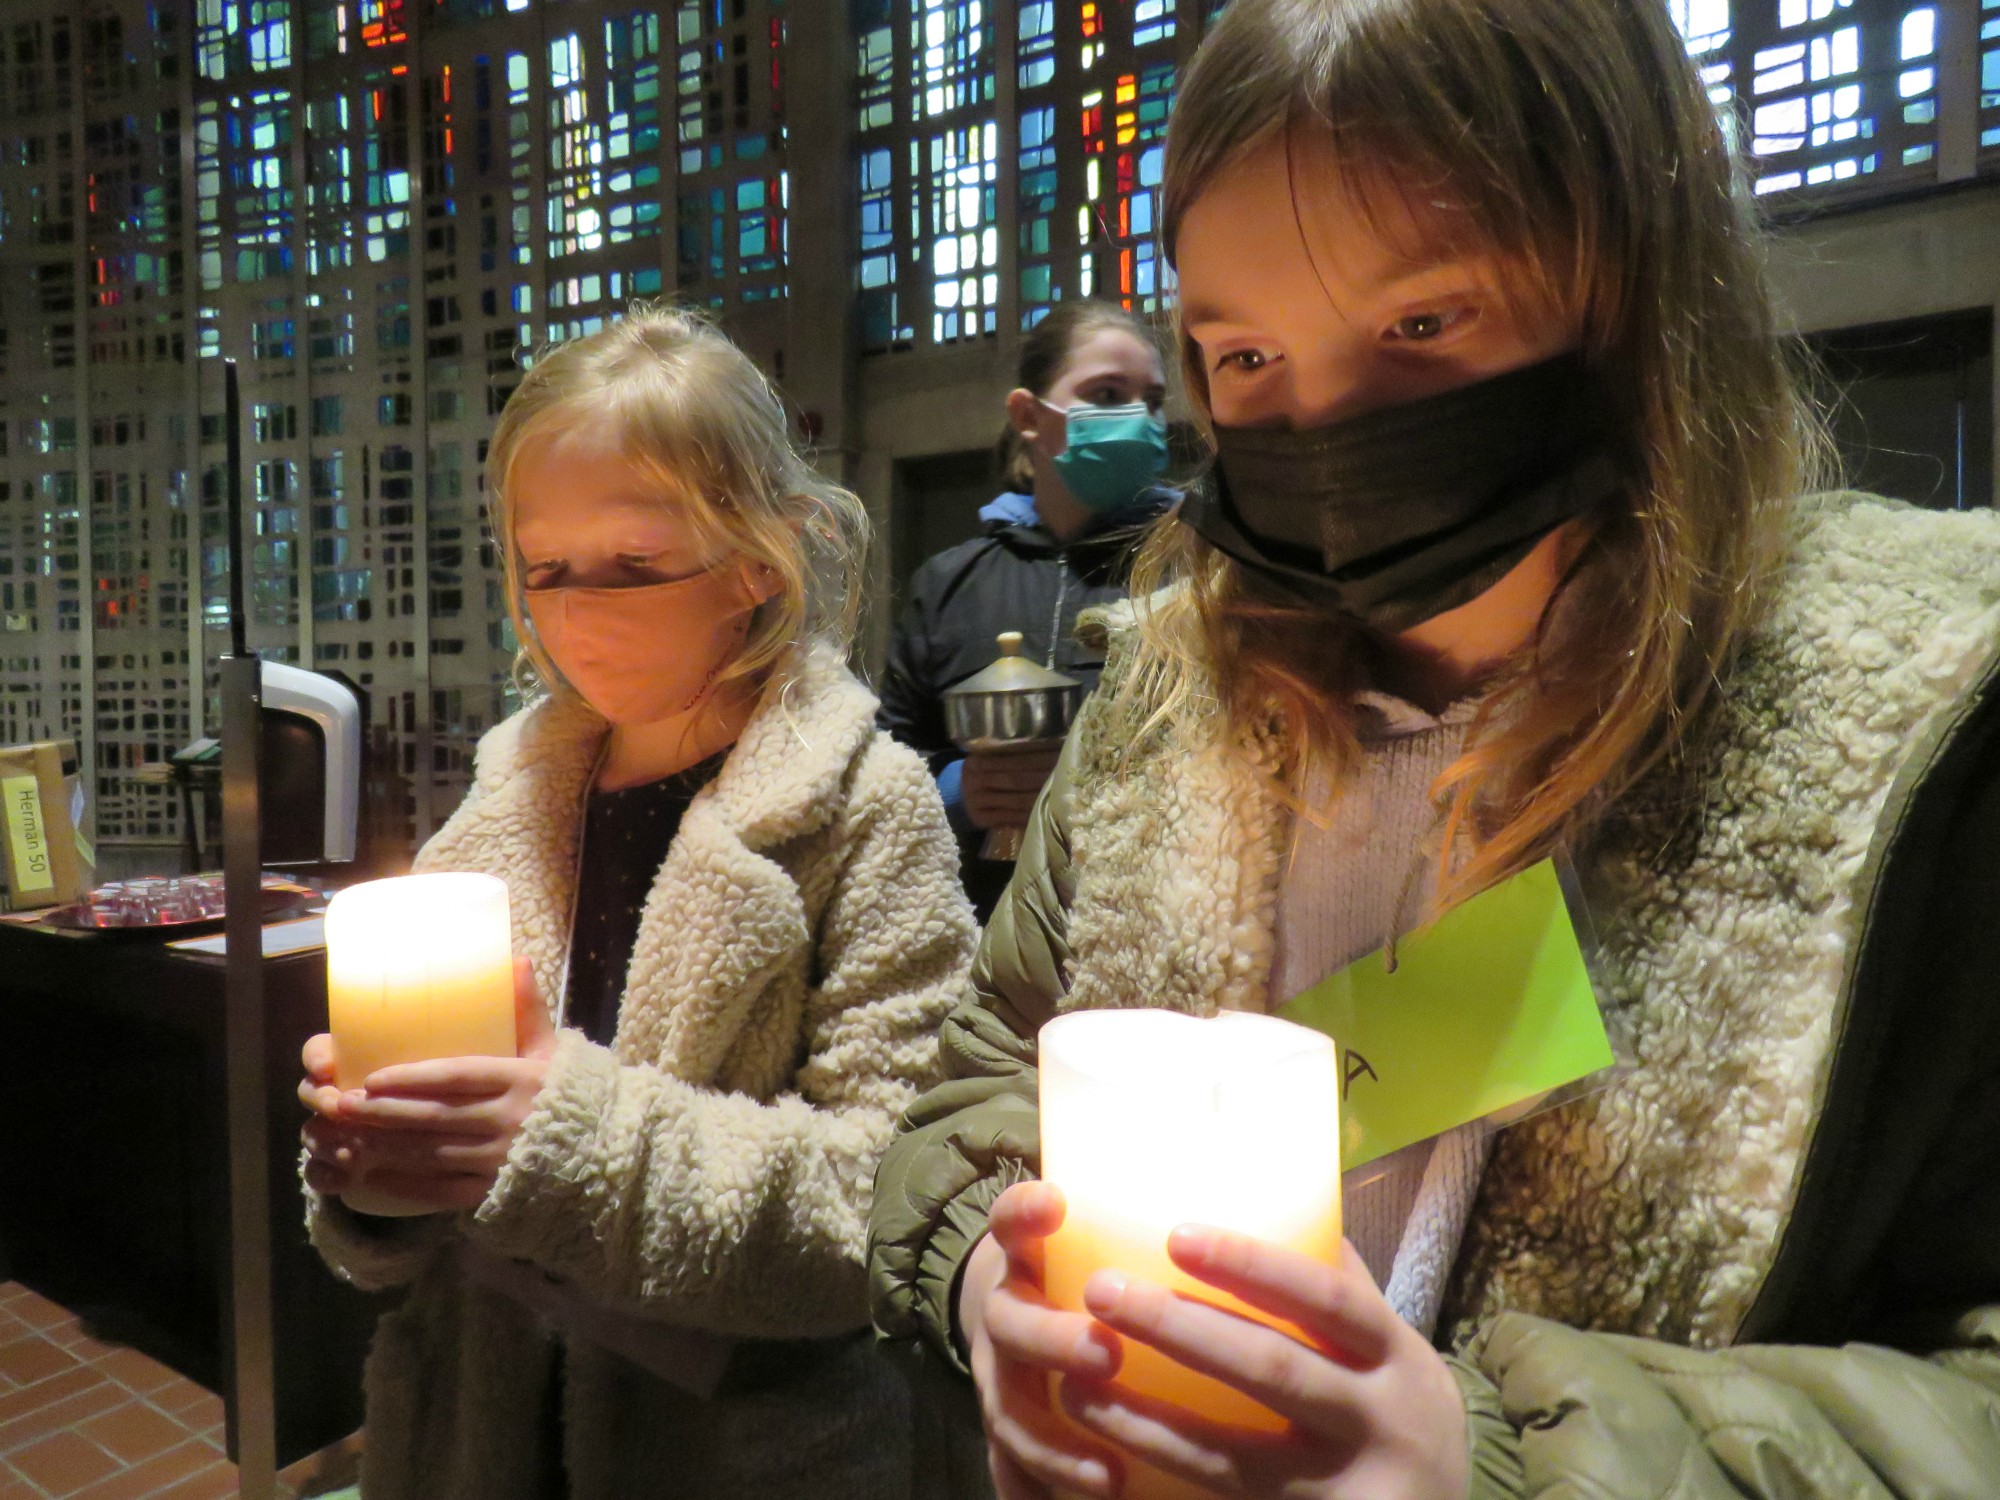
column 1151, row 1119
column 417, row 967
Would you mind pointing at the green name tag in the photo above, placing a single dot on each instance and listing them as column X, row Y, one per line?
column 1489, row 1006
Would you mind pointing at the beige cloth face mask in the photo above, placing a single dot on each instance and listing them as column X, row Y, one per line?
column 651, row 652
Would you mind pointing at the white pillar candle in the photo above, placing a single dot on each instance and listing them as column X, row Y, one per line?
column 417, row 967
column 1151, row 1119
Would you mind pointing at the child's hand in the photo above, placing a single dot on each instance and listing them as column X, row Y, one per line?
column 1014, row 1339
column 1374, row 1410
column 433, row 1133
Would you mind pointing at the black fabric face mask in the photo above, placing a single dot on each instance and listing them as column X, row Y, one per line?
column 1401, row 514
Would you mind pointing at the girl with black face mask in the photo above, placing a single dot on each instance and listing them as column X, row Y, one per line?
column 1511, row 550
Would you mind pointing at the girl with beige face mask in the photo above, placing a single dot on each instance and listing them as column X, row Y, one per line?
column 737, row 925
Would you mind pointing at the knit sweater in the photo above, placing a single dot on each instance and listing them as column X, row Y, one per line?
column 711, row 1169
column 1360, row 873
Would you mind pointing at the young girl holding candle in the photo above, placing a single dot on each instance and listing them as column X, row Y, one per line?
column 1505, row 555
column 737, row 926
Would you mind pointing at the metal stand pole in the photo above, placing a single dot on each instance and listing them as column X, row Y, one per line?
column 252, row 1419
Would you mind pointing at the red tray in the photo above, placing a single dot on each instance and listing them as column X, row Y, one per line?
column 279, row 902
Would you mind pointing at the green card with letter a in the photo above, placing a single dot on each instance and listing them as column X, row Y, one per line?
column 1487, row 1008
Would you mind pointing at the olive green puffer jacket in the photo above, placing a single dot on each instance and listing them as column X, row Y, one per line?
column 1766, row 1260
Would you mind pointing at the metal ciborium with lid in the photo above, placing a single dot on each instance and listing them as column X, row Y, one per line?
column 1011, row 705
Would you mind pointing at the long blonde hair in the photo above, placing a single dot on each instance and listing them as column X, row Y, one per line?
column 690, row 409
column 1582, row 148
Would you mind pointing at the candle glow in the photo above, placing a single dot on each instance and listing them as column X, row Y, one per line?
column 418, row 967
column 1151, row 1119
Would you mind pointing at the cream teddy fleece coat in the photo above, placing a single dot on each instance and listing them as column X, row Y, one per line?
column 712, row 1169
column 1655, row 1205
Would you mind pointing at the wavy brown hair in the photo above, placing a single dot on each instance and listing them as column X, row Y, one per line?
column 1582, row 149
column 688, row 407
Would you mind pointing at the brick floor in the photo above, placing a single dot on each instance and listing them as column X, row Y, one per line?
column 82, row 1418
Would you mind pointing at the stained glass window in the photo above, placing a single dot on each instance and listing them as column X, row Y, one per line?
column 955, row 168
column 962, row 230
column 1035, row 45
column 1093, row 81
column 1989, row 81
column 731, row 224
column 1828, row 98
column 930, row 264
column 603, row 131
column 1122, row 184
column 1092, row 150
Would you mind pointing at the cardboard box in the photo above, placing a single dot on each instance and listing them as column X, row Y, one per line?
column 43, row 862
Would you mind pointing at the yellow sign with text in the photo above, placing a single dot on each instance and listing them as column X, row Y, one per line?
column 28, row 834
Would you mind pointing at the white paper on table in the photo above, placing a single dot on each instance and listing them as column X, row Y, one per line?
column 300, row 935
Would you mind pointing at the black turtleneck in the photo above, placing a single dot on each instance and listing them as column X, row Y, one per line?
column 626, row 835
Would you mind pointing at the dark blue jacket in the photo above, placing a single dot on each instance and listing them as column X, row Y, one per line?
column 1015, row 576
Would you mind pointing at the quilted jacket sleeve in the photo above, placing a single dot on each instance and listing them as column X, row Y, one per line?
column 978, row 1132
column 1559, row 1411
column 1912, row 1412
column 723, row 1212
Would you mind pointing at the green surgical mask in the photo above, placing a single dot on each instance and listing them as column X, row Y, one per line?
column 1112, row 453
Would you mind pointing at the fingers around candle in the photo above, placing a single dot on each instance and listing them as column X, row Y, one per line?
column 414, row 1151
column 534, row 1028
column 444, row 1078
column 1025, row 1431
column 1338, row 1304
column 432, row 1191
column 1297, row 1382
column 326, row 1142
column 1010, row 1480
column 1022, row 1217
column 463, row 1116
column 321, row 1099
column 1027, row 1330
column 326, row 1179
column 1223, row 1460
column 317, row 1057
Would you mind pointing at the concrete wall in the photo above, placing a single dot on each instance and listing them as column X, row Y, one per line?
column 914, row 406
column 1901, row 260
column 1916, row 259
